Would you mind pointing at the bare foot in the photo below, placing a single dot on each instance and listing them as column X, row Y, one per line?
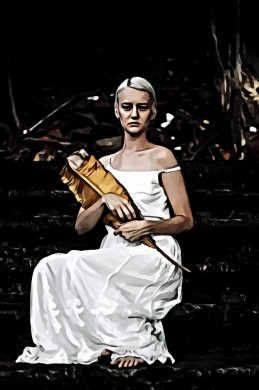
column 127, row 361
column 105, row 352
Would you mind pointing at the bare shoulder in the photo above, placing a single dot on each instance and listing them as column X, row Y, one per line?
column 164, row 158
column 105, row 159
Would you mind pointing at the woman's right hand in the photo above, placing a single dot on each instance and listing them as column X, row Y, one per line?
column 119, row 207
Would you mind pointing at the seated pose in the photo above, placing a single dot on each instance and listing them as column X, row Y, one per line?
column 110, row 301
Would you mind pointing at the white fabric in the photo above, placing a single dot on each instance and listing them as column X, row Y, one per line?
column 111, row 298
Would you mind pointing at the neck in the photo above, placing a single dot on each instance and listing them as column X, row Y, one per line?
column 134, row 144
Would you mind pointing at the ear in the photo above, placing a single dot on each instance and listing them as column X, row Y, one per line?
column 117, row 114
column 153, row 115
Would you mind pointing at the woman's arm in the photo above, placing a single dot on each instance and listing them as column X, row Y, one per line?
column 175, row 190
column 174, row 187
column 88, row 218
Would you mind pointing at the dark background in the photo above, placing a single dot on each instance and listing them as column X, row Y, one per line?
column 52, row 52
column 54, row 58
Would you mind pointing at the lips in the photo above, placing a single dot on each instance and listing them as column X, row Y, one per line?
column 134, row 123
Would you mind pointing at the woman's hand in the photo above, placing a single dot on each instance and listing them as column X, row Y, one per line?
column 119, row 206
column 133, row 231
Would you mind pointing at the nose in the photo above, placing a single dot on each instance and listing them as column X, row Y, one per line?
column 135, row 113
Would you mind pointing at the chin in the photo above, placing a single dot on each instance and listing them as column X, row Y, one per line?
column 135, row 133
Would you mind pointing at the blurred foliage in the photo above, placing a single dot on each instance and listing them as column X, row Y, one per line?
column 203, row 63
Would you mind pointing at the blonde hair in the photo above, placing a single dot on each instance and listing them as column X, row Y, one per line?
column 140, row 84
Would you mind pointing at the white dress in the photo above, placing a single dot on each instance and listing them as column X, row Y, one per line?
column 114, row 297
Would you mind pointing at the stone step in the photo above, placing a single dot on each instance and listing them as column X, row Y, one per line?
column 216, row 278
column 197, row 372
column 218, row 202
column 50, row 220
column 213, row 256
column 32, row 175
column 217, row 257
column 235, row 175
column 189, row 327
column 212, row 248
column 42, row 227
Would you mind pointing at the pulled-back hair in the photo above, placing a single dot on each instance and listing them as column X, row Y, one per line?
column 140, row 84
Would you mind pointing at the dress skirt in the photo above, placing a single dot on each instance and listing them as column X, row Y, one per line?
column 114, row 297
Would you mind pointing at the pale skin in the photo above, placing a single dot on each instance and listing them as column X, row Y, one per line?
column 135, row 113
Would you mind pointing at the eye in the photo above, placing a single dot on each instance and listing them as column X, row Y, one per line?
column 143, row 108
column 127, row 108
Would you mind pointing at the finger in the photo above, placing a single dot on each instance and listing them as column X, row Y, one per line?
column 116, row 232
column 126, row 214
column 115, row 213
column 117, row 228
column 118, row 214
column 133, row 212
column 130, row 212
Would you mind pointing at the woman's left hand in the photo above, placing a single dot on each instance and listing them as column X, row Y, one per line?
column 132, row 231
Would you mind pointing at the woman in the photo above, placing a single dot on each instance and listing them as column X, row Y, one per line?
column 110, row 301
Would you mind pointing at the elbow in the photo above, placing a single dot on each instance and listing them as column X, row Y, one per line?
column 79, row 229
column 190, row 223
column 187, row 223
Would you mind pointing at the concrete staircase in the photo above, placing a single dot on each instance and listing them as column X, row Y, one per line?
column 213, row 334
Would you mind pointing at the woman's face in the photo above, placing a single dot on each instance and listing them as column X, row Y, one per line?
column 134, row 110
